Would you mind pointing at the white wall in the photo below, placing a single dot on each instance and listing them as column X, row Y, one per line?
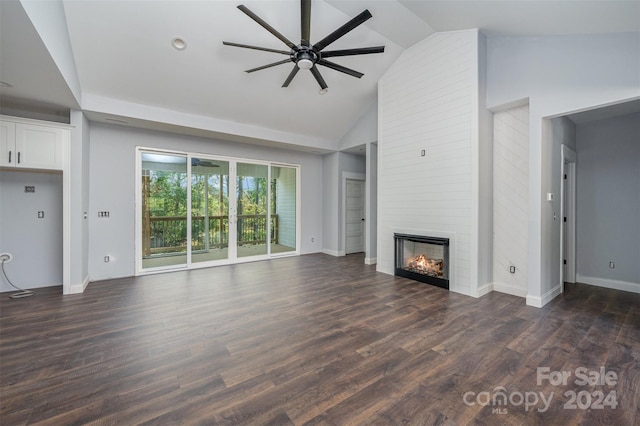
column 558, row 75
column 511, row 200
column 364, row 130
column 36, row 244
column 608, row 202
column 49, row 20
column 429, row 100
column 79, row 201
column 112, row 178
column 330, row 197
column 23, row 109
column 556, row 132
column 371, row 205
column 484, row 155
column 570, row 68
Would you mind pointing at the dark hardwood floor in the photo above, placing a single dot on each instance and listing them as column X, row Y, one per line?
column 313, row 340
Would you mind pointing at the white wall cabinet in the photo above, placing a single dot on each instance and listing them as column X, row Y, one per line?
column 42, row 145
column 32, row 146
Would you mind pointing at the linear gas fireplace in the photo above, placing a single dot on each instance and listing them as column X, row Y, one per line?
column 422, row 258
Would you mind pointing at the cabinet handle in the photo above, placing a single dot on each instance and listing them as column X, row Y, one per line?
column 9, row 157
column 18, row 157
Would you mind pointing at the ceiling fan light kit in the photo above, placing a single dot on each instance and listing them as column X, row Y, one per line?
column 306, row 56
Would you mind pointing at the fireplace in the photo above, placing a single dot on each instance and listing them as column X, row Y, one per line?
column 422, row 258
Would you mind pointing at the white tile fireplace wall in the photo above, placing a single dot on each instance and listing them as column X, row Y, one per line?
column 432, row 100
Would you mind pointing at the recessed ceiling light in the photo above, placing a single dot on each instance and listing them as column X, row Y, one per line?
column 5, row 84
column 179, row 43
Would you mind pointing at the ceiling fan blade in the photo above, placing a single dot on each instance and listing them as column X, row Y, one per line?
column 349, row 52
column 318, row 77
column 267, row 27
column 362, row 17
column 305, row 21
column 246, row 46
column 293, row 73
column 284, row 61
column 340, row 68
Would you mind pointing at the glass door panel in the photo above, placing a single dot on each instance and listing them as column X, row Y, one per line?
column 164, row 210
column 209, row 210
column 252, row 194
column 283, row 209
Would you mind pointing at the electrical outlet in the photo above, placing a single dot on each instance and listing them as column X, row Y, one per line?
column 40, row 215
column 512, row 269
column 107, row 259
column 29, row 189
column 5, row 257
column 103, row 214
column 612, row 265
column 313, row 240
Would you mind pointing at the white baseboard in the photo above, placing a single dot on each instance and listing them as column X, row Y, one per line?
column 370, row 260
column 534, row 301
column 331, row 252
column 539, row 302
column 79, row 288
column 484, row 289
column 613, row 284
column 510, row 289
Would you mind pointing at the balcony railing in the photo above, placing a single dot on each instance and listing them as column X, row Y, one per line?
column 168, row 234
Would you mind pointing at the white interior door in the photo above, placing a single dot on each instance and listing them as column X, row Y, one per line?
column 354, row 212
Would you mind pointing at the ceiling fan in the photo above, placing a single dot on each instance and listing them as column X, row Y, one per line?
column 203, row 163
column 305, row 55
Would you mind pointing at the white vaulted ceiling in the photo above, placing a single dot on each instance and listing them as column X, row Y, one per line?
column 125, row 52
column 128, row 69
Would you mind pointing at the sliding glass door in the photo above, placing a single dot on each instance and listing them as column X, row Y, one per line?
column 251, row 211
column 197, row 210
column 209, row 210
column 284, row 208
column 164, row 210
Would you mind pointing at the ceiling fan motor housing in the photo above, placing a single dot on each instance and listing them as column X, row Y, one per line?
column 305, row 57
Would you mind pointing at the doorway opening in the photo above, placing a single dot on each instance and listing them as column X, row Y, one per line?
column 354, row 202
column 568, row 215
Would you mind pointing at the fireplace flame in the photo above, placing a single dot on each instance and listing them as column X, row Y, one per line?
column 424, row 265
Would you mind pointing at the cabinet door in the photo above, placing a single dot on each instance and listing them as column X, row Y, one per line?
column 7, row 143
column 39, row 147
